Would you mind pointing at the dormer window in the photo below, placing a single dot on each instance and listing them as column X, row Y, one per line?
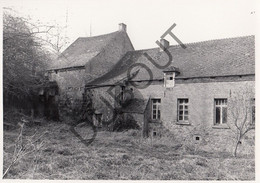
column 169, row 76
column 169, row 79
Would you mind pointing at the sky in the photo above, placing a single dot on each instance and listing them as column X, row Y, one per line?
column 146, row 20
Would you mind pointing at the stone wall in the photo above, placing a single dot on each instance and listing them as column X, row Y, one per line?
column 70, row 82
column 104, row 103
column 201, row 129
column 201, row 100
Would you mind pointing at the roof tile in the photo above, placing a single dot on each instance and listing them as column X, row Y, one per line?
column 223, row 57
column 83, row 50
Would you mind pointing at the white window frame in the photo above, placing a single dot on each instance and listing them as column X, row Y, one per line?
column 221, row 103
column 156, row 102
column 182, row 104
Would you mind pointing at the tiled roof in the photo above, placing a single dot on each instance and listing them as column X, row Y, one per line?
column 223, row 57
column 83, row 50
column 171, row 69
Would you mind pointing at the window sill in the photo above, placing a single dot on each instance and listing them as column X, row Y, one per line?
column 220, row 127
column 183, row 123
column 169, row 88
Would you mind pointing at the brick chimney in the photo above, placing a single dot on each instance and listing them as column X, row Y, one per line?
column 122, row 27
column 165, row 44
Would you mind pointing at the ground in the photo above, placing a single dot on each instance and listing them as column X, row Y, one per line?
column 59, row 154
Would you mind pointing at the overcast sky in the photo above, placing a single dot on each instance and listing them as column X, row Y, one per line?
column 147, row 20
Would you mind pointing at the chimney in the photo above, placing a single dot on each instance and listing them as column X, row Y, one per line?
column 164, row 45
column 122, row 27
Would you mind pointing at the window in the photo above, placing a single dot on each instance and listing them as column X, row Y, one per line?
column 169, row 79
column 183, row 109
column 154, row 133
column 253, row 111
column 156, row 108
column 220, row 111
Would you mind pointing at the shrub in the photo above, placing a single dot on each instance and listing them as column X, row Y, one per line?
column 124, row 123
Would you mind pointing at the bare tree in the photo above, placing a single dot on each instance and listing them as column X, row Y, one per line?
column 56, row 38
column 28, row 50
column 241, row 105
column 23, row 57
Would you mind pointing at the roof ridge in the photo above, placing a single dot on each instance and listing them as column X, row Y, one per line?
column 217, row 39
column 141, row 50
column 108, row 34
column 85, row 38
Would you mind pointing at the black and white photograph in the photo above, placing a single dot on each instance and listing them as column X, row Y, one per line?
column 129, row 90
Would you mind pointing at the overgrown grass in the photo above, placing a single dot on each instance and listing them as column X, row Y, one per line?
column 119, row 155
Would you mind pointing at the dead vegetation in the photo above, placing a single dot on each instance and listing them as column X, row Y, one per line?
column 115, row 155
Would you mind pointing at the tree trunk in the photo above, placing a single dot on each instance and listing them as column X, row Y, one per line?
column 235, row 151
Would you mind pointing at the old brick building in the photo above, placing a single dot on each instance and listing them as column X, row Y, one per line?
column 188, row 91
column 84, row 60
column 190, row 97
